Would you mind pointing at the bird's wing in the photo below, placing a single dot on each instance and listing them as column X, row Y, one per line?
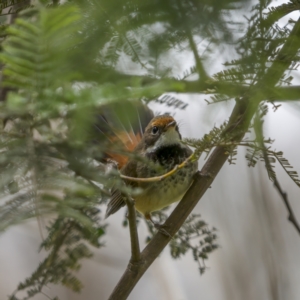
column 115, row 203
column 117, row 198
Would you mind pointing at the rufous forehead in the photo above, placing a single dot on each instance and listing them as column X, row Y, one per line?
column 161, row 122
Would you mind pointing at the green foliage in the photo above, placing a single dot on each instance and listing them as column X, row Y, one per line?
column 47, row 170
column 257, row 153
column 196, row 236
column 130, row 30
column 36, row 53
column 62, row 65
column 67, row 247
column 256, row 150
column 258, row 49
column 215, row 137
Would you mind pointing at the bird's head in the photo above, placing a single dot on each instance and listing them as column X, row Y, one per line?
column 162, row 131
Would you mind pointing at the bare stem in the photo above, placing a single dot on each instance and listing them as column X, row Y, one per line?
column 192, row 44
column 134, row 238
column 285, row 199
column 283, row 194
column 91, row 182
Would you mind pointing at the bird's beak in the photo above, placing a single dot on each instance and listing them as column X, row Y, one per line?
column 171, row 124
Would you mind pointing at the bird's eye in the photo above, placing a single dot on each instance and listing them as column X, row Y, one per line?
column 155, row 130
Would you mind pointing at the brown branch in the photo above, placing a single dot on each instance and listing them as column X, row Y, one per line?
column 134, row 238
column 291, row 217
column 201, row 86
column 237, row 126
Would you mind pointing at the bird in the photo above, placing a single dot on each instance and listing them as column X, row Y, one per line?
column 160, row 149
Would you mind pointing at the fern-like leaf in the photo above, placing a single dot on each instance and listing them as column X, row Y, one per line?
column 286, row 166
column 35, row 54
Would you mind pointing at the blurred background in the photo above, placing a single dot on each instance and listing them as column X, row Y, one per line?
column 259, row 247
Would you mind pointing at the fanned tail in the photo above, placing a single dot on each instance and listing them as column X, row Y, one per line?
column 122, row 125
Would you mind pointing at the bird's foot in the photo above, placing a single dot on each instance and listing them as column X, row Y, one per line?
column 206, row 175
column 162, row 228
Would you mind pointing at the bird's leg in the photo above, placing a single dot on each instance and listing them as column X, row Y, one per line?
column 159, row 227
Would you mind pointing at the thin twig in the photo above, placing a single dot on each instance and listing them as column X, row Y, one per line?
column 35, row 186
column 285, row 199
column 259, row 135
column 134, row 238
column 199, row 65
column 193, row 46
column 91, row 182
column 45, row 295
column 7, row 14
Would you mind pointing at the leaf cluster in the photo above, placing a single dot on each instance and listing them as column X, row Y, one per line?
column 258, row 49
column 67, row 243
column 256, row 149
column 197, row 237
column 209, row 141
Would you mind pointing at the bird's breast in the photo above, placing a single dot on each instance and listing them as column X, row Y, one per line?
column 159, row 194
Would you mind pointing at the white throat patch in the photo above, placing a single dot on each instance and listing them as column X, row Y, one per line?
column 170, row 137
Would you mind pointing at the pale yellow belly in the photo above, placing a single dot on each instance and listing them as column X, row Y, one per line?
column 161, row 194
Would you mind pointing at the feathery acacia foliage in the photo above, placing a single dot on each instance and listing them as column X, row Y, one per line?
column 62, row 64
column 193, row 229
column 47, row 170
